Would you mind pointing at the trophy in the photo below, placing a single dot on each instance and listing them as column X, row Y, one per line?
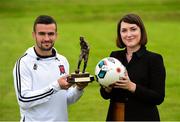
column 82, row 76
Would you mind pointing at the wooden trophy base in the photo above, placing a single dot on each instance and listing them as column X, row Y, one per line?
column 81, row 77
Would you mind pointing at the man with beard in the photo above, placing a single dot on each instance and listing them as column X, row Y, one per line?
column 40, row 77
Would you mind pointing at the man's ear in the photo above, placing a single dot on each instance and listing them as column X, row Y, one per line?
column 33, row 35
column 56, row 35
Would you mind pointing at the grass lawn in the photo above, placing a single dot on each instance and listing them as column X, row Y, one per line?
column 97, row 22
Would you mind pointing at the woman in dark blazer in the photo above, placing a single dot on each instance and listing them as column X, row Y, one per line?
column 136, row 96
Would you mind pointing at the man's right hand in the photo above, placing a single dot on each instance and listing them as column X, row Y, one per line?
column 63, row 82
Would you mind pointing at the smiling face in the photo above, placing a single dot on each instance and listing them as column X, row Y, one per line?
column 45, row 36
column 130, row 34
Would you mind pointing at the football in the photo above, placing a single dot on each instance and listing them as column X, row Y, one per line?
column 109, row 70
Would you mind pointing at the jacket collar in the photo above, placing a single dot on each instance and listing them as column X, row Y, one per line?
column 138, row 53
column 40, row 56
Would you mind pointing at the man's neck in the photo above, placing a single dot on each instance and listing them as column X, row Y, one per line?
column 43, row 54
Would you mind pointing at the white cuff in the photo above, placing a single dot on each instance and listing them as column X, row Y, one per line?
column 55, row 86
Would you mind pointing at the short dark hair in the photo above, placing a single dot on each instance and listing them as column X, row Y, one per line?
column 44, row 19
column 132, row 19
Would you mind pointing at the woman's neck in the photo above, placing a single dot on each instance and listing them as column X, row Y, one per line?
column 131, row 50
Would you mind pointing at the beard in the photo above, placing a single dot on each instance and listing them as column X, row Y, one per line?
column 45, row 47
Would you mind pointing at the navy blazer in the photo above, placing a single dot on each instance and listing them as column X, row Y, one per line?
column 147, row 70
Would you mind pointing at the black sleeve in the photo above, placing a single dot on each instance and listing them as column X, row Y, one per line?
column 104, row 94
column 155, row 92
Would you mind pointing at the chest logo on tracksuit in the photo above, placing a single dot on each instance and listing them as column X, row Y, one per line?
column 61, row 69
